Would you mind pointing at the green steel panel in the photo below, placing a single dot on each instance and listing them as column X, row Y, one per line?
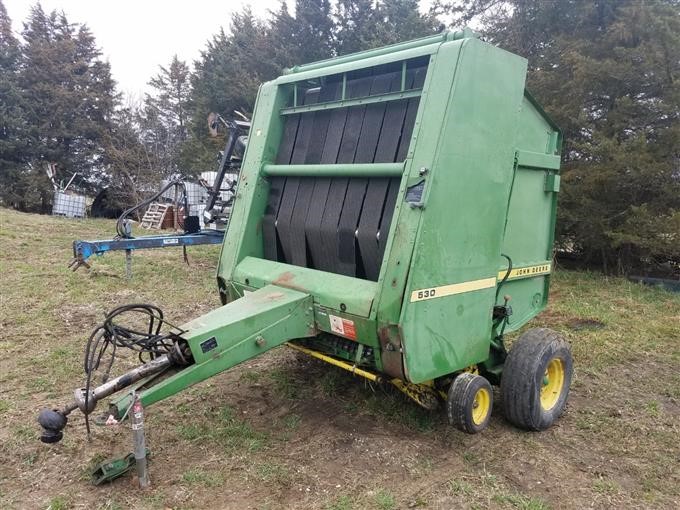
column 359, row 64
column 528, row 215
column 530, row 223
column 399, row 248
column 230, row 323
column 334, row 291
column 528, row 299
column 552, row 183
column 366, row 55
column 361, row 329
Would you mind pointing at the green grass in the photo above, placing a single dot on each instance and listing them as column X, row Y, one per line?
column 490, row 490
column 250, row 376
column 460, row 487
column 393, row 406
column 58, row 503
column 330, row 382
column 268, row 431
column 637, row 319
column 110, row 504
column 221, row 427
column 605, row 486
column 385, row 500
column 292, row 421
column 155, row 500
column 520, row 502
column 343, row 502
column 284, row 383
column 271, row 471
column 196, row 476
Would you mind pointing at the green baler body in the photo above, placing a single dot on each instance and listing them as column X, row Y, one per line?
column 478, row 178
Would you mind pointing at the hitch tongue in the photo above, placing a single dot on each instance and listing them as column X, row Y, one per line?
column 53, row 421
column 86, row 406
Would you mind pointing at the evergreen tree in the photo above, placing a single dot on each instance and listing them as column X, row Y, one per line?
column 399, row 20
column 12, row 140
column 226, row 78
column 355, row 29
column 306, row 37
column 69, row 97
column 362, row 25
column 172, row 89
column 608, row 72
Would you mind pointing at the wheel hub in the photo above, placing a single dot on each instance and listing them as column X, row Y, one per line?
column 553, row 383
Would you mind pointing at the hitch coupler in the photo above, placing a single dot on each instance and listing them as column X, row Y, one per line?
column 53, row 421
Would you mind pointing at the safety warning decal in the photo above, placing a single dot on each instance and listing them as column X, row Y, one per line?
column 344, row 327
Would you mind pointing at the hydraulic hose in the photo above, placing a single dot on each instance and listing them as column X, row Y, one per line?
column 120, row 223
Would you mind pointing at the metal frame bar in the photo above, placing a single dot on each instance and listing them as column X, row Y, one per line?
column 82, row 250
column 385, row 51
column 338, row 363
column 344, row 103
column 336, row 170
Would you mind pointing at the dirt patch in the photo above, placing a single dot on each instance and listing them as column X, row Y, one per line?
column 579, row 324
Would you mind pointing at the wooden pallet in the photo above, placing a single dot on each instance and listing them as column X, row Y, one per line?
column 154, row 216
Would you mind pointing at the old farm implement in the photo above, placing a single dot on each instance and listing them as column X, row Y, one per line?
column 215, row 210
column 394, row 217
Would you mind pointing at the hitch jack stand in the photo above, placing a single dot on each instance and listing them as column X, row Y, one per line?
column 139, row 441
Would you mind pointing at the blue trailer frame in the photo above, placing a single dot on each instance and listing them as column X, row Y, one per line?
column 83, row 250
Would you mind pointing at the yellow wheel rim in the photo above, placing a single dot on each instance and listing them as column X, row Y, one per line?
column 553, row 383
column 481, row 406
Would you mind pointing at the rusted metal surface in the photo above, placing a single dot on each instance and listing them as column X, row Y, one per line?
column 391, row 351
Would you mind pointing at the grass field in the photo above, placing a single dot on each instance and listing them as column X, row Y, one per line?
column 283, row 431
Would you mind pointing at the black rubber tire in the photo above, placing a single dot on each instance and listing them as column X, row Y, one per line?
column 522, row 378
column 460, row 402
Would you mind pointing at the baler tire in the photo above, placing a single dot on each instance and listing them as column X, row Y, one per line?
column 525, row 379
column 469, row 403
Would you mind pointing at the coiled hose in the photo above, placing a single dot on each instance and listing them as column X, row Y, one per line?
column 147, row 341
